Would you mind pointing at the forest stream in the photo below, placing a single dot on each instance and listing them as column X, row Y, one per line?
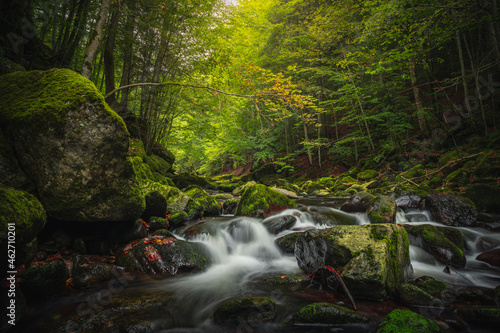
column 246, row 262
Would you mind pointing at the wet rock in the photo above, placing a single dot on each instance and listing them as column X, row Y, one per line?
column 327, row 314
column 156, row 205
column 491, row 257
column 277, row 224
column 382, row 209
column 260, row 199
column 285, row 280
column 162, row 255
column 410, row 294
column 177, row 219
column 86, row 274
column 229, row 206
column 483, row 316
column 399, row 320
column 110, row 311
column 484, row 243
column 452, row 210
column 408, row 201
column 209, row 206
column 156, row 223
column 44, row 281
column 287, row 243
column 445, row 244
column 248, row 309
column 359, row 203
column 71, row 144
column 372, row 259
column 288, row 193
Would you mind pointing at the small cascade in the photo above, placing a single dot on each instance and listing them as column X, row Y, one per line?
column 475, row 273
column 241, row 252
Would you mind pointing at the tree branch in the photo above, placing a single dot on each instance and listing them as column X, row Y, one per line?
column 177, row 84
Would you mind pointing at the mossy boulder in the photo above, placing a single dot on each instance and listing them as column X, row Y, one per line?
column 11, row 173
column 382, row 209
column 184, row 180
column 71, row 144
column 444, row 243
column 23, row 214
column 158, row 164
column 247, row 309
column 287, row 243
column 400, row 320
column 163, row 255
column 241, row 189
column 358, row 203
column 313, row 187
column 483, row 316
column 209, row 206
column 86, row 273
column 452, row 210
column 260, row 200
column 156, row 205
column 416, row 171
column 123, row 312
column 327, row 314
column 372, row 259
column 229, row 206
column 486, row 197
column 44, row 281
column 411, row 294
column 367, row 174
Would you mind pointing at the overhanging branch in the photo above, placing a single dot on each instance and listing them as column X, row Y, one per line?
column 180, row 85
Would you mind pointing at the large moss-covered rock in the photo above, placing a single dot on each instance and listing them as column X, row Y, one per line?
column 445, row 244
column 24, row 216
column 44, row 281
column 162, row 255
column 452, row 210
column 486, row 197
column 11, row 173
column 327, row 314
column 209, row 206
column 372, row 259
column 407, row 321
column 483, row 316
column 260, row 200
column 245, row 309
column 71, row 144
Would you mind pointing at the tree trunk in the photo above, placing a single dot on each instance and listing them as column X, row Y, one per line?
column 416, row 93
column 306, row 139
column 127, row 63
column 91, row 52
column 109, row 59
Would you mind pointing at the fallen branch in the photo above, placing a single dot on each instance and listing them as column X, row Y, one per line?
column 411, row 180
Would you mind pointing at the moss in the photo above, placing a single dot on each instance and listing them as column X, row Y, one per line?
column 24, row 210
column 434, row 287
column 260, row 197
column 245, row 309
column 327, row 313
column 407, row 321
column 45, row 97
column 210, row 206
column 284, row 280
column 44, row 281
column 410, row 294
column 158, row 164
column 484, row 316
column 367, row 174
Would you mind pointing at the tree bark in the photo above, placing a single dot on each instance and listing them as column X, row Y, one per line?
column 418, row 102
column 91, row 52
column 109, row 59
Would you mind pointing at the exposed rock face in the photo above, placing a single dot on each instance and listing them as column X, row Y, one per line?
column 71, row 144
column 372, row 259
column 276, row 224
column 359, row 203
column 408, row 201
column 492, row 257
column 162, row 255
column 452, row 210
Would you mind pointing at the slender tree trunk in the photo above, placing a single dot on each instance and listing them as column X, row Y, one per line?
column 127, row 62
column 418, row 102
column 306, row 139
column 91, row 52
column 109, row 59
column 464, row 77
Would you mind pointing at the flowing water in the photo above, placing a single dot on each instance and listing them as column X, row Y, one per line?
column 244, row 254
